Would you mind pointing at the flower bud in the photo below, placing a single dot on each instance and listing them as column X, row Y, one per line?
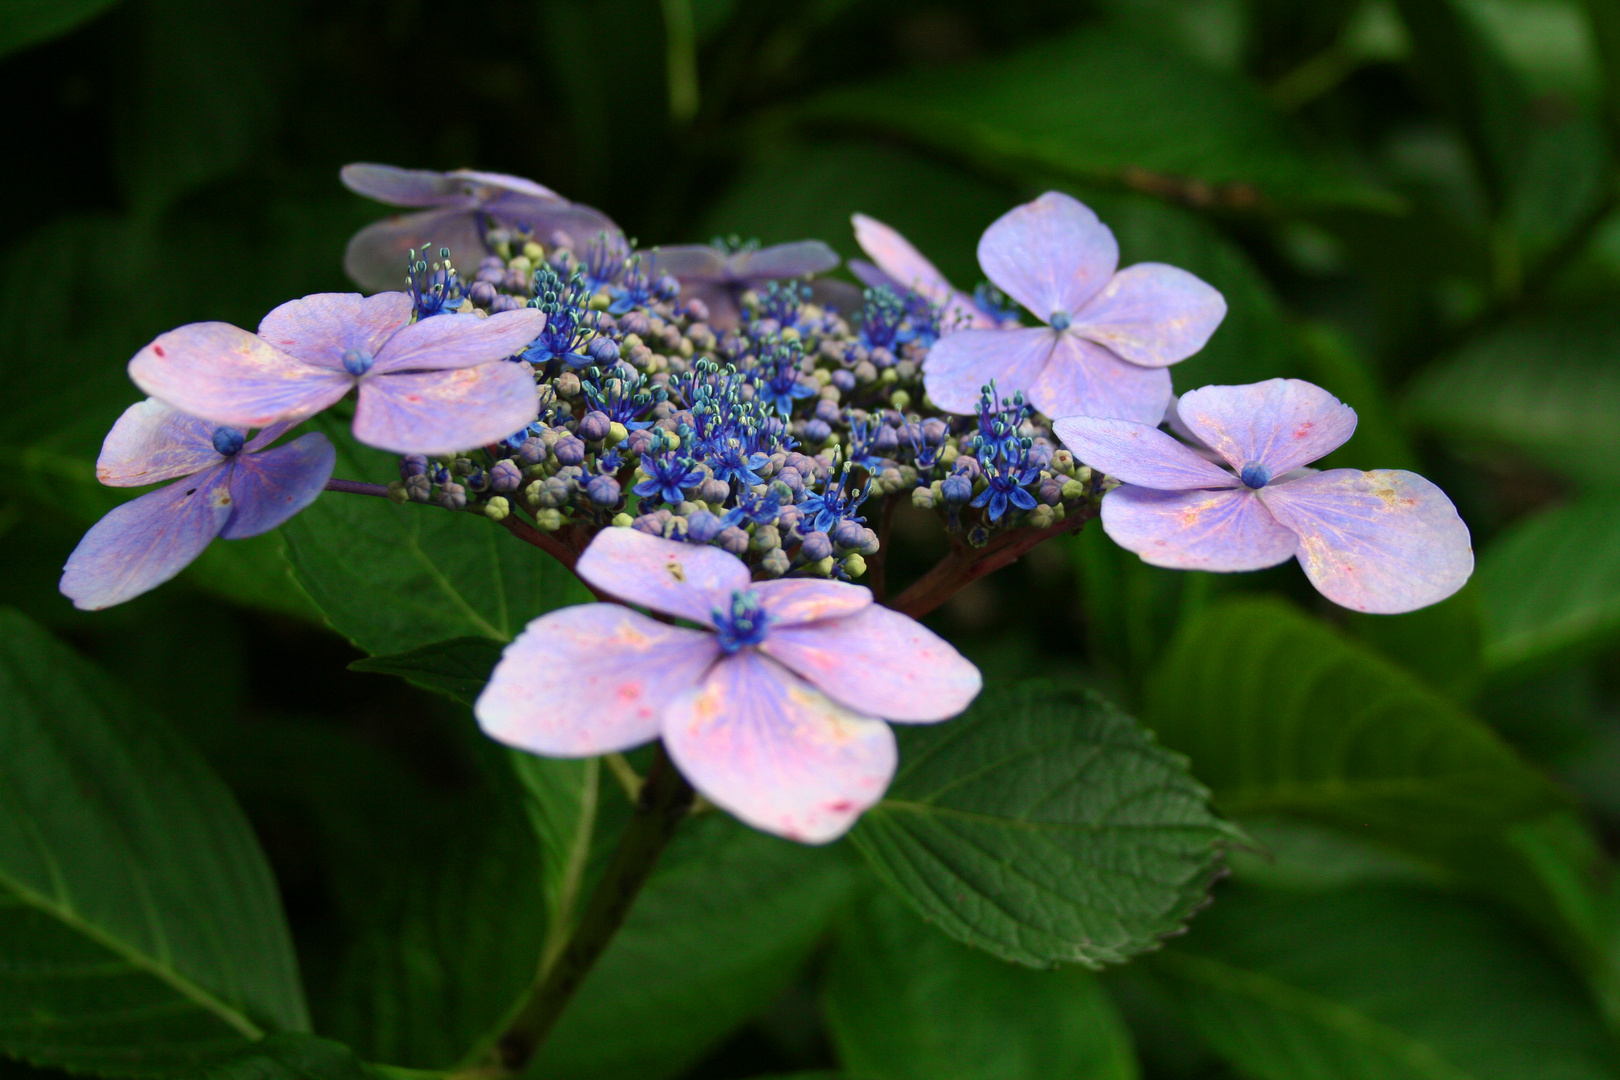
column 922, row 498
column 412, row 465
column 570, row 450
column 418, row 488
column 617, row 433
column 854, row 565
column 593, row 427
column 847, row 534
column 713, row 491
column 505, row 476
column 1073, row 489
column 497, row 509
column 533, row 451
column 567, row 385
column 451, row 497
column 548, row 520
column 603, row 491
column 703, row 527
column 956, row 489
column 817, row 546
column 396, row 492
column 776, row 563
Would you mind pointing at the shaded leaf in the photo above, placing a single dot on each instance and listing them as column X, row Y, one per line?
column 458, row 668
column 1044, row 825
column 30, row 22
column 140, row 930
column 289, row 1057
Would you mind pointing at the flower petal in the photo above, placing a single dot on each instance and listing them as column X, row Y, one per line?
column 1152, row 314
column 269, row 434
column 1281, row 423
column 146, row 541
column 320, row 328
column 881, row 662
column 721, row 300
column 457, row 341
column 377, row 255
column 1223, row 531
column 794, row 260
column 552, row 221
column 691, row 263
column 592, row 679
column 405, row 187
column 1138, row 454
column 688, row 581
column 760, row 742
column 959, row 365
column 794, row 601
column 268, row 488
column 1384, row 541
column 498, row 184
column 1049, row 255
column 441, row 412
column 152, row 442
column 903, row 268
column 219, row 372
column 1085, row 379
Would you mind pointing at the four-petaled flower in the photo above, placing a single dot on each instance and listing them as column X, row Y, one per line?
column 718, row 277
column 1383, row 541
column 232, row 488
column 434, row 386
column 774, row 710
column 903, row 268
column 1108, row 336
column 465, row 205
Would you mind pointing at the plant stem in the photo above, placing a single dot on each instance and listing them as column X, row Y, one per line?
column 665, row 799
column 966, row 565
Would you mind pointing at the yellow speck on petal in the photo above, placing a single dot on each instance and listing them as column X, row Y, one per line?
column 676, row 570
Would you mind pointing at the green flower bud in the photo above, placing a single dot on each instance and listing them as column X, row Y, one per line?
column 899, row 399
column 1041, row 516
column 498, row 509
column 533, row 251
column 821, row 567
column 396, row 491
column 617, row 433
column 1073, row 489
column 622, row 520
column 854, row 565
column 567, row 384
column 548, row 520
column 922, row 498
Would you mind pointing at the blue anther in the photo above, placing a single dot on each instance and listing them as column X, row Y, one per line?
column 228, row 441
column 357, row 362
column 1255, row 475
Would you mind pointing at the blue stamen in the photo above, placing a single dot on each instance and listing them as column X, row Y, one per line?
column 745, row 624
column 1060, row 320
column 1255, row 475
column 228, row 441
column 357, row 362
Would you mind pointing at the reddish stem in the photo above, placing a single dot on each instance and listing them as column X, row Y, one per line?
column 965, row 565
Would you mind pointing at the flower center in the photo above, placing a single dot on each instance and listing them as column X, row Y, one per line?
column 357, row 362
column 1060, row 320
column 744, row 624
column 228, row 441
column 1255, row 475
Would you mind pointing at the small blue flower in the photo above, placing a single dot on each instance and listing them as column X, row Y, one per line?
column 669, row 476
column 606, row 256
column 433, row 289
column 570, row 323
column 746, row 623
column 883, row 320
column 1006, row 486
column 823, row 510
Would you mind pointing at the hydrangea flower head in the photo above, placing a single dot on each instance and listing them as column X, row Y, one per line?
column 229, row 486
column 719, row 273
column 433, row 386
column 460, row 209
column 1108, row 335
column 905, row 269
column 1384, row 541
column 774, row 708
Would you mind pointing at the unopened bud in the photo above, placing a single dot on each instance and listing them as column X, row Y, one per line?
column 497, row 509
column 854, row 565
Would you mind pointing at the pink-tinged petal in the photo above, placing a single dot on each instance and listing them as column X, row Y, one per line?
column 1280, row 423
column 221, row 373
column 320, row 328
column 691, row 263
column 959, row 365
column 1049, row 255
column 151, row 443
column 1152, row 314
column 1085, row 379
column 1385, row 541
column 793, row 260
column 457, row 341
column 903, row 268
column 591, row 680
column 267, row 489
column 269, row 434
column 496, row 184
column 146, row 541
column 872, row 277
column 552, row 221
column 441, row 412
column 794, row 601
column 1137, row 454
column 885, row 664
column 405, row 187
column 377, row 255
column 688, row 581
column 758, row 741
column 1223, row 531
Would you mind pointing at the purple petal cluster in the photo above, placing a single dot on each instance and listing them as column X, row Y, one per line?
column 1382, row 541
column 774, row 709
column 718, row 273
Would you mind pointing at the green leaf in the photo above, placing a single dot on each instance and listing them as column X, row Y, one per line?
column 1280, row 714
column 1101, row 107
column 395, row 578
column 719, row 931
column 140, row 930
column 904, row 1002
column 1042, row 826
column 1441, row 643
column 564, row 800
column 1549, row 387
column 289, row 1057
column 30, row 22
column 1550, row 585
column 458, row 668
column 1387, row 982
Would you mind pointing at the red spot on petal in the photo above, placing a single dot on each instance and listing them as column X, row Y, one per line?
column 1304, row 429
column 159, row 350
column 414, row 399
column 842, row 806
column 629, row 691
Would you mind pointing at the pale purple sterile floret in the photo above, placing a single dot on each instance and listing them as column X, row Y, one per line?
column 1384, row 541
column 774, row 710
column 461, row 208
column 904, row 269
column 434, row 386
column 231, row 488
column 1109, row 335
column 718, row 278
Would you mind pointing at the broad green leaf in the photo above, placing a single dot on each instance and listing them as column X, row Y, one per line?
column 1102, row 107
column 1549, row 387
column 1042, row 826
column 458, row 668
column 1441, row 643
column 1604, row 19
column 903, row 1002
column 140, row 930
column 719, row 931
column 30, row 22
column 291, row 1057
column 1550, row 585
column 1387, row 982
column 565, row 801
column 394, row 578
column 1280, row 714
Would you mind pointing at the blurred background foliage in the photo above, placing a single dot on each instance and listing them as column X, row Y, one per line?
column 1411, row 203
